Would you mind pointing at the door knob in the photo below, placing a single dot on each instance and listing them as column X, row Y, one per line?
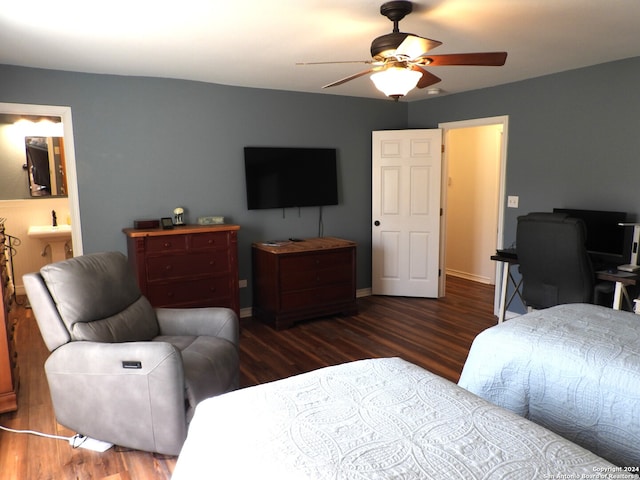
column 376, row 223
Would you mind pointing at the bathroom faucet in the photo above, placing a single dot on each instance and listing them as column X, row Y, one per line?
column 53, row 218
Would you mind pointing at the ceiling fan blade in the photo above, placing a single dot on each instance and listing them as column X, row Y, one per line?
column 338, row 62
column 352, row 77
column 489, row 59
column 413, row 46
column 427, row 78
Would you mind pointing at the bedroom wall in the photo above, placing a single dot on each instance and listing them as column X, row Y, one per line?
column 573, row 137
column 145, row 146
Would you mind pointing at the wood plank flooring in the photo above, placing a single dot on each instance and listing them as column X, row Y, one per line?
column 435, row 334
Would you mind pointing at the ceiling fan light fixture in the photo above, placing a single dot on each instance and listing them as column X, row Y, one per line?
column 396, row 82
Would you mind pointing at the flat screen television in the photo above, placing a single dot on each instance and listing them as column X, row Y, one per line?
column 607, row 242
column 282, row 177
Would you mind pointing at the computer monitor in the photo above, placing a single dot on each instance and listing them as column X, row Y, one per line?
column 608, row 242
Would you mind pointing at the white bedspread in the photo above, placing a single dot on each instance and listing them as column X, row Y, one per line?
column 572, row 368
column 371, row 419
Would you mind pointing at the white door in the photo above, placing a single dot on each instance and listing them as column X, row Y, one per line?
column 406, row 179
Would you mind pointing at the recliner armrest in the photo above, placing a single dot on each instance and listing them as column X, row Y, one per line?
column 208, row 321
column 96, row 394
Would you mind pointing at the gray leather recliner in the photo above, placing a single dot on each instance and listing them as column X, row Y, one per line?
column 121, row 371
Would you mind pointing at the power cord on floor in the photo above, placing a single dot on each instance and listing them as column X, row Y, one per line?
column 75, row 441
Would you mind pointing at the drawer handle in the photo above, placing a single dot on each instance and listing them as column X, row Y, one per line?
column 213, row 289
column 170, row 294
column 167, row 244
column 211, row 242
column 168, row 267
column 212, row 262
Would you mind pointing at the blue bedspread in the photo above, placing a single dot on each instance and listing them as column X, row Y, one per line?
column 574, row 369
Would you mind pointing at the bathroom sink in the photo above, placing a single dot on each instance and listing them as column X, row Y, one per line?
column 58, row 239
column 47, row 232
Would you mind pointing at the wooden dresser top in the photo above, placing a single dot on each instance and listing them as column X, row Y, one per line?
column 307, row 244
column 179, row 230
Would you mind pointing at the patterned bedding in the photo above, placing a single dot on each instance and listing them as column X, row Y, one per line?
column 371, row 419
column 573, row 368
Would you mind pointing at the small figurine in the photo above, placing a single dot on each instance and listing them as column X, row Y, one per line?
column 178, row 216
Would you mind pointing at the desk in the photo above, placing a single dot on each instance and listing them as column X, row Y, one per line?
column 506, row 263
column 623, row 280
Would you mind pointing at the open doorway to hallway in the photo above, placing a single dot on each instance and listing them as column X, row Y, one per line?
column 473, row 193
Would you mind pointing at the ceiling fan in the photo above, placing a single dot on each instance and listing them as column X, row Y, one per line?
column 399, row 58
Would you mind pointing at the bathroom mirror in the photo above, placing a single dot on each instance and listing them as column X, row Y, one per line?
column 45, row 166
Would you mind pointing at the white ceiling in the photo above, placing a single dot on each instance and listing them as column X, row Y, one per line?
column 256, row 43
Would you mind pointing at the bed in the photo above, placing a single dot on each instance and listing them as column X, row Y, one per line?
column 371, row 419
column 574, row 369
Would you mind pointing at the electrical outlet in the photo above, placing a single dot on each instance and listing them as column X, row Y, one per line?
column 512, row 201
column 242, row 284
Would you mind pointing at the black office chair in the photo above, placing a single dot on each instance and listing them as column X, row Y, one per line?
column 554, row 263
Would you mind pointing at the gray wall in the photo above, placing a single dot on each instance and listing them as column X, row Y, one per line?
column 574, row 137
column 145, row 146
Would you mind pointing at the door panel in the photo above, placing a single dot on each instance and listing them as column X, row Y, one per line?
column 406, row 212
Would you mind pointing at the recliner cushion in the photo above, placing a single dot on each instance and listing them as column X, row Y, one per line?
column 99, row 300
column 209, row 365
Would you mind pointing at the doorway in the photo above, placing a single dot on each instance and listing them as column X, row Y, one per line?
column 480, row 227
column 20, row 212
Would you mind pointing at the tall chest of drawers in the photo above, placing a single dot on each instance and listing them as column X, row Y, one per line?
column 188, row 266
column 8, row 356
column 301, row 280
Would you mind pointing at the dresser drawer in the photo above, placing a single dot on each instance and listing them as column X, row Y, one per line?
column 189, row 266
column 193, row 264
column 199, row 241
column 294, row 263
column 166, row 243
column 201, row 292
column 299, row 279
column 317, row 296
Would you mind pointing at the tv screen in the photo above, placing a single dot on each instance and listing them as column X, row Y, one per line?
column 605, row 238
column 281, row 177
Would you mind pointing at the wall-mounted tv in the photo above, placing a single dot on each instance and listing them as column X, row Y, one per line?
column 282, row 177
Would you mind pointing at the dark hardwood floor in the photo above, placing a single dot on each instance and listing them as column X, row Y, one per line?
column 435, row 334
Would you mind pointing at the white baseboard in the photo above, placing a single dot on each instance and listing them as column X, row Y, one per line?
column 469, row 276
column 363, row 292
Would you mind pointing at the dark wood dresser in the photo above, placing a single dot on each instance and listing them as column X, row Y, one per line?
column 294, row 281
column 8, row 355
column 187, row 266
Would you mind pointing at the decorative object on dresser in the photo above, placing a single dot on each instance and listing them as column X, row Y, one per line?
column 8, row 355
column 189, row 266
column 302, row 279
column 155, row 223
column 178, row 216
column 211, row 220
